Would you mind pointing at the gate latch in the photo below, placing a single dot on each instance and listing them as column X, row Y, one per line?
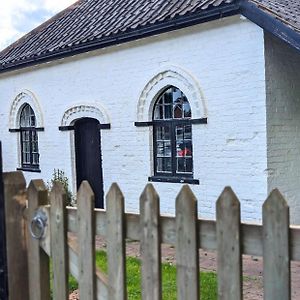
column 38, row 224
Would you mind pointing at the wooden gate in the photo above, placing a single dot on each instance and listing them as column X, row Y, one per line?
column 275, row 240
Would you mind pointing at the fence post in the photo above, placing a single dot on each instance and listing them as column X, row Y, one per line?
column 150, row 244
column 17, row 266
column 276, row 223
column 59, row 246
column 86, row 241
column 38, row 260
column 115, row 234
column 229, row 246
column 187, row 253
column 3, row 261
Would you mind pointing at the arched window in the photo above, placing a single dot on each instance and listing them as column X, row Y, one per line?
column 172, row 135
column 29, row 139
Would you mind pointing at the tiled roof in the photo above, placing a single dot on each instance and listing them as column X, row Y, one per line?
column 287, row 11
column 89, row 21
column 92, row 24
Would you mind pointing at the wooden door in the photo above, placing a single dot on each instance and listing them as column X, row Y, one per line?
column 88, row 156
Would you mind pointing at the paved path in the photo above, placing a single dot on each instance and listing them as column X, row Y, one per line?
column 252, row 269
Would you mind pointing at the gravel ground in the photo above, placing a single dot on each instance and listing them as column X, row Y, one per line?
column 252, row 269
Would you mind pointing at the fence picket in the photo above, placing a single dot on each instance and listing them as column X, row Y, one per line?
column 59, row 247
column 187, row 255
column 229, row 259
column 116, row 244
column 276, row 240
column 17, row 265
column 276, row 257
column 150, row 244
column 86, row 241
column 38, row 260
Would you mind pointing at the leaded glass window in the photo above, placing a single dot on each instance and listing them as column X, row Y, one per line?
column 172, row 134
column 29, row 139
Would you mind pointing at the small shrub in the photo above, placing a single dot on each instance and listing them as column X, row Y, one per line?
column 60, row 176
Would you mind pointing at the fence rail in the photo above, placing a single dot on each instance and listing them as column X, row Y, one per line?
column 275, row 240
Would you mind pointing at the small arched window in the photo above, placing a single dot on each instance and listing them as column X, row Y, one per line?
column 172, row 135
column 29, row 139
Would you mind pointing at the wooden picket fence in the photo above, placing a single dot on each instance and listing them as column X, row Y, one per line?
column 275, row 240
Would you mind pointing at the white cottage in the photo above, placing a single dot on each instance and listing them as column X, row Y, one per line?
column 204, row 92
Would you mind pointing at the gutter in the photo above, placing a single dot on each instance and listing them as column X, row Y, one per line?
column 212, row 14
column 270, row 23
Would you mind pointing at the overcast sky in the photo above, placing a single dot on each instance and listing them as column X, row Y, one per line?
column 18, row 17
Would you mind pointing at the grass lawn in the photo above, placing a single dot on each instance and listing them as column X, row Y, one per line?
column 208, row 280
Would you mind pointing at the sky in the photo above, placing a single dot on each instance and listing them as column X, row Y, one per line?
column 18, row 17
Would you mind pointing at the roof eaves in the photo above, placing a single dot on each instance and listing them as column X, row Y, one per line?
column 270, row 23
column 175, row 24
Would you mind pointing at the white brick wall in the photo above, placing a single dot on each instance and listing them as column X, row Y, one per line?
column 225, row 57
column 283, row 119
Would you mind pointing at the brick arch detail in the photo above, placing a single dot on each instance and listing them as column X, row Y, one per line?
column 175, row 76
column 18, row 102
column 85, row 111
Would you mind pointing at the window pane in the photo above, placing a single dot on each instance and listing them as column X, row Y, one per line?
column 188, row 131
column 180, row 165
column 187, row 110
column 34, row 147
column 179, row 133
column 160, row 148
column 163, row 149
column 178, row 111
column 159, row 113
column 184, row 150
column 168, row 111
column 26, row 147
column 177, row 95
column 35, row 158
column 168, row 97
column 187, row 148
column 27, row 158
column 164, row 165
column 24, row 157
column 189, row 165
column 27, row 117
column 172, row 104
column 32, row 121
column 184, row 165
column 163, row 133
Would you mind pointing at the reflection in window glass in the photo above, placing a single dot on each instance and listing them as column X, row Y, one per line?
column 172, row 104
column 173, row 153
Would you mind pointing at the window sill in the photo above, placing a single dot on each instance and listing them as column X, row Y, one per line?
column 173, row 179
column 29, row 170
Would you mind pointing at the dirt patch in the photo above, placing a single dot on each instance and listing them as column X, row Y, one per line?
column 252, row 269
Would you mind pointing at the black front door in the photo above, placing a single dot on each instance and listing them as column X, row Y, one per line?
column 88, row 156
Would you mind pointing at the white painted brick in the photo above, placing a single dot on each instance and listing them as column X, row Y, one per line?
column 226, row 57
column 283, row 119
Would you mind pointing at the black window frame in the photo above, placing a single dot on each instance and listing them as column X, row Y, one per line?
column 174, row 175
column 31, row 131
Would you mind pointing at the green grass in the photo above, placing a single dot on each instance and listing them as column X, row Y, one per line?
column 208, row 279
